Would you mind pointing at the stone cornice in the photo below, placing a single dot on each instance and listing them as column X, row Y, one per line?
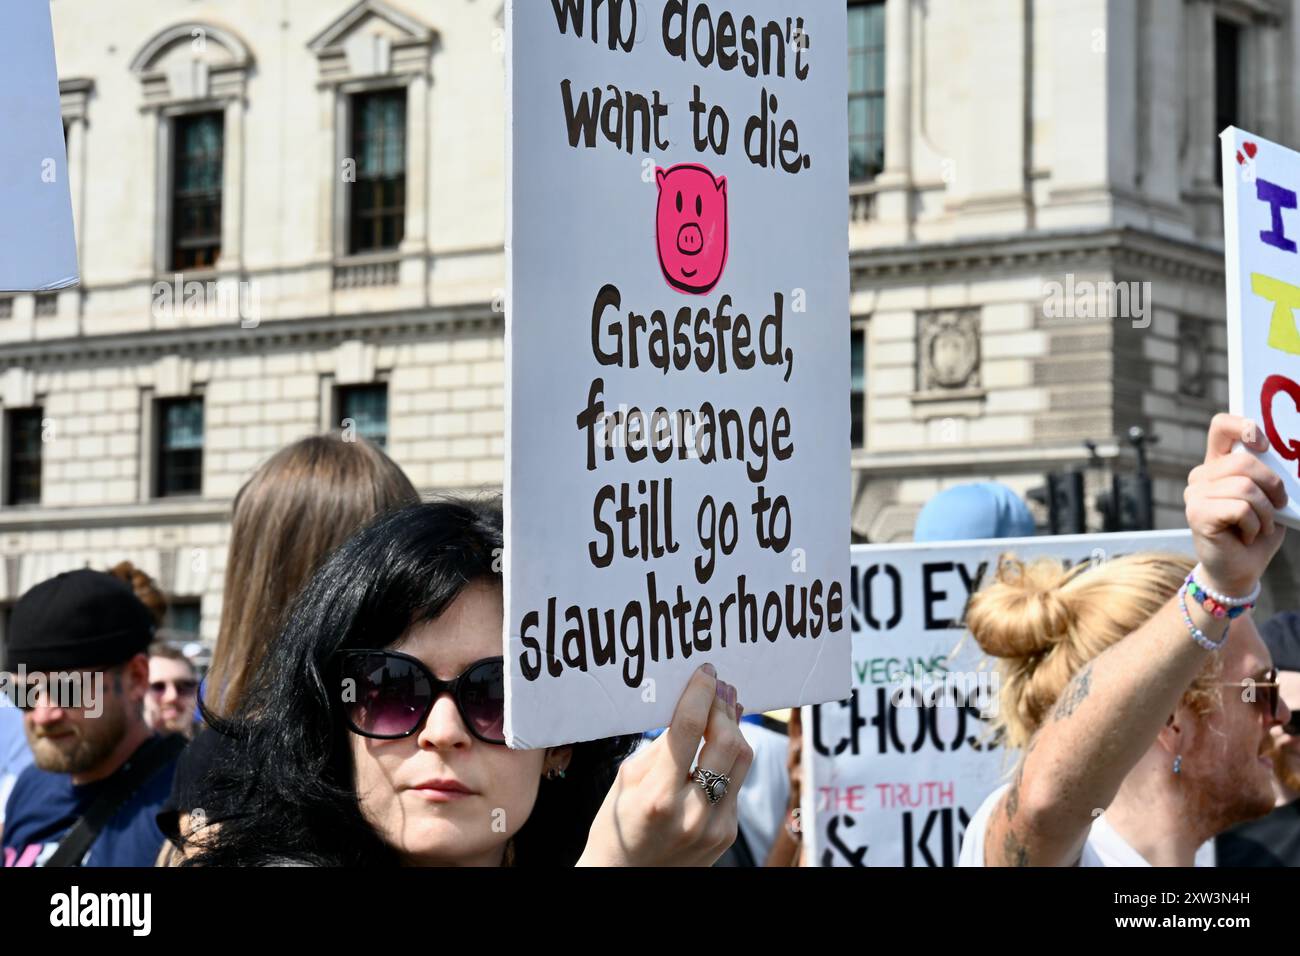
column 137, row 514
column 1133, row 252
column 164, row 512
column 271, row 335
column 1025, row 458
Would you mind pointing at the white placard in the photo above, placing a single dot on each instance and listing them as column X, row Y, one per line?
column 1261, row 227
column 896, row 770
column 38, row 251
column 678, row 202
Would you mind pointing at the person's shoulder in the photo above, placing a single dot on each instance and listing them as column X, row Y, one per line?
column 1269, row 841
column 36, row 795
column 35, row 781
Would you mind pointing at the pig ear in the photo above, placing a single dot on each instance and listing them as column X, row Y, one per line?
column 660, row 176
column 721, row 183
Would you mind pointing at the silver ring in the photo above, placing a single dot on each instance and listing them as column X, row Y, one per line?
column 713, row 784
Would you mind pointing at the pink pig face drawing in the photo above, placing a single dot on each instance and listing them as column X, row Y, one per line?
column 691, row 227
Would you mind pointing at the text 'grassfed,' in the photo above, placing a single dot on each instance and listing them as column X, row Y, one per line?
column 677, row 469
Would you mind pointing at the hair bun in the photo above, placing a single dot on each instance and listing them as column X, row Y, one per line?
column 1024, row 612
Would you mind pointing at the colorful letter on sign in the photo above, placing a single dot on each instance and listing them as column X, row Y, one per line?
column 1261, row 226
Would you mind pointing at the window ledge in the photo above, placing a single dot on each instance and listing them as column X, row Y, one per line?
column 368, row 271
column 862, row 201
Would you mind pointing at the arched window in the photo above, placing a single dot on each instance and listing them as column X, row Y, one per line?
column 194, row 77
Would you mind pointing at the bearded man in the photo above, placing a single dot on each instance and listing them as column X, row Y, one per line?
column 1274, row 840
column 76, row 665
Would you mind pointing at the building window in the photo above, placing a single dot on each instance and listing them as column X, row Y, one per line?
column 180, row 447
column 1227, row 81
column 866, row 90
column 183, row 617
column 364, row 408
column 6, row 611
column 196, row 190
column 24, row 429
column 45, row 304
column 858, row 388
column 377, row 214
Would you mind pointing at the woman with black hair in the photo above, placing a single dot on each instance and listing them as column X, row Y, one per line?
column 372, row 733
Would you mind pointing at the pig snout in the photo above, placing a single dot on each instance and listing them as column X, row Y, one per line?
column 690, row 239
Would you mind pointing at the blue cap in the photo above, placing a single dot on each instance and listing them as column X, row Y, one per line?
column 985, row 509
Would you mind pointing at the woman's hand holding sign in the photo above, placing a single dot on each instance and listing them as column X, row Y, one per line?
column 662, row 810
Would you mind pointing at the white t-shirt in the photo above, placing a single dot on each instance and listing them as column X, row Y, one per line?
column 1104, row 846
column 766, row 793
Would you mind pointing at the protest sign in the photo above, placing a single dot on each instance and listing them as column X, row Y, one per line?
column 895, row 771
column 677, row 467
column 1261, row 226
column 37, row 249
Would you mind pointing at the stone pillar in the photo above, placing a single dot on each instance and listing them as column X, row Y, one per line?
column 232, row 188
column 417, row 148
column 1203, row 194
column 330, row 150
column 893, row 201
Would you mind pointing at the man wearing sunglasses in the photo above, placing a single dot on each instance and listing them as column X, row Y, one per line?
column 173, row 691
column 79, row 672
column 1274, row 840
column 1127, row 769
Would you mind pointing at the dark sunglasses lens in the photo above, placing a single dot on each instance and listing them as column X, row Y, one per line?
column 483, row 699
column 390, row 696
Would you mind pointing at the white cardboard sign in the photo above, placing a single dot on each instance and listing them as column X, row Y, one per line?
column 677, row 468
column 895, row 771
column 1261, row 227
column 38, row 251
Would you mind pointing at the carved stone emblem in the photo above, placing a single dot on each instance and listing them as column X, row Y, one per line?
column 949, row 351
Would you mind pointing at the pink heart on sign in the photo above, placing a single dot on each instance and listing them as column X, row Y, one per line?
column 1251, row 149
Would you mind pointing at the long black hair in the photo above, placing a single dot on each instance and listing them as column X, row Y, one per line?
column 283, row 791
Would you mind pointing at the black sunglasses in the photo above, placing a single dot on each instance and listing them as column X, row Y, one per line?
column 1272, row 698
column 184, row 688
column 392, row 693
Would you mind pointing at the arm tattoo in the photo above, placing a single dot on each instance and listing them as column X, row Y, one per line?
column 1013, row 794
column 1074, row 694
column 1014, row 852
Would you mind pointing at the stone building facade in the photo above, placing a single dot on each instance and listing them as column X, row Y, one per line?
column 291, row 216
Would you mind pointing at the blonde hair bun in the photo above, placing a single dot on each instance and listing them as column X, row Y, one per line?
column 1025, row 612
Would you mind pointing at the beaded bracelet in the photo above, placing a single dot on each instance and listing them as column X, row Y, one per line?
column 1197, row 634
column 1220, row 605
